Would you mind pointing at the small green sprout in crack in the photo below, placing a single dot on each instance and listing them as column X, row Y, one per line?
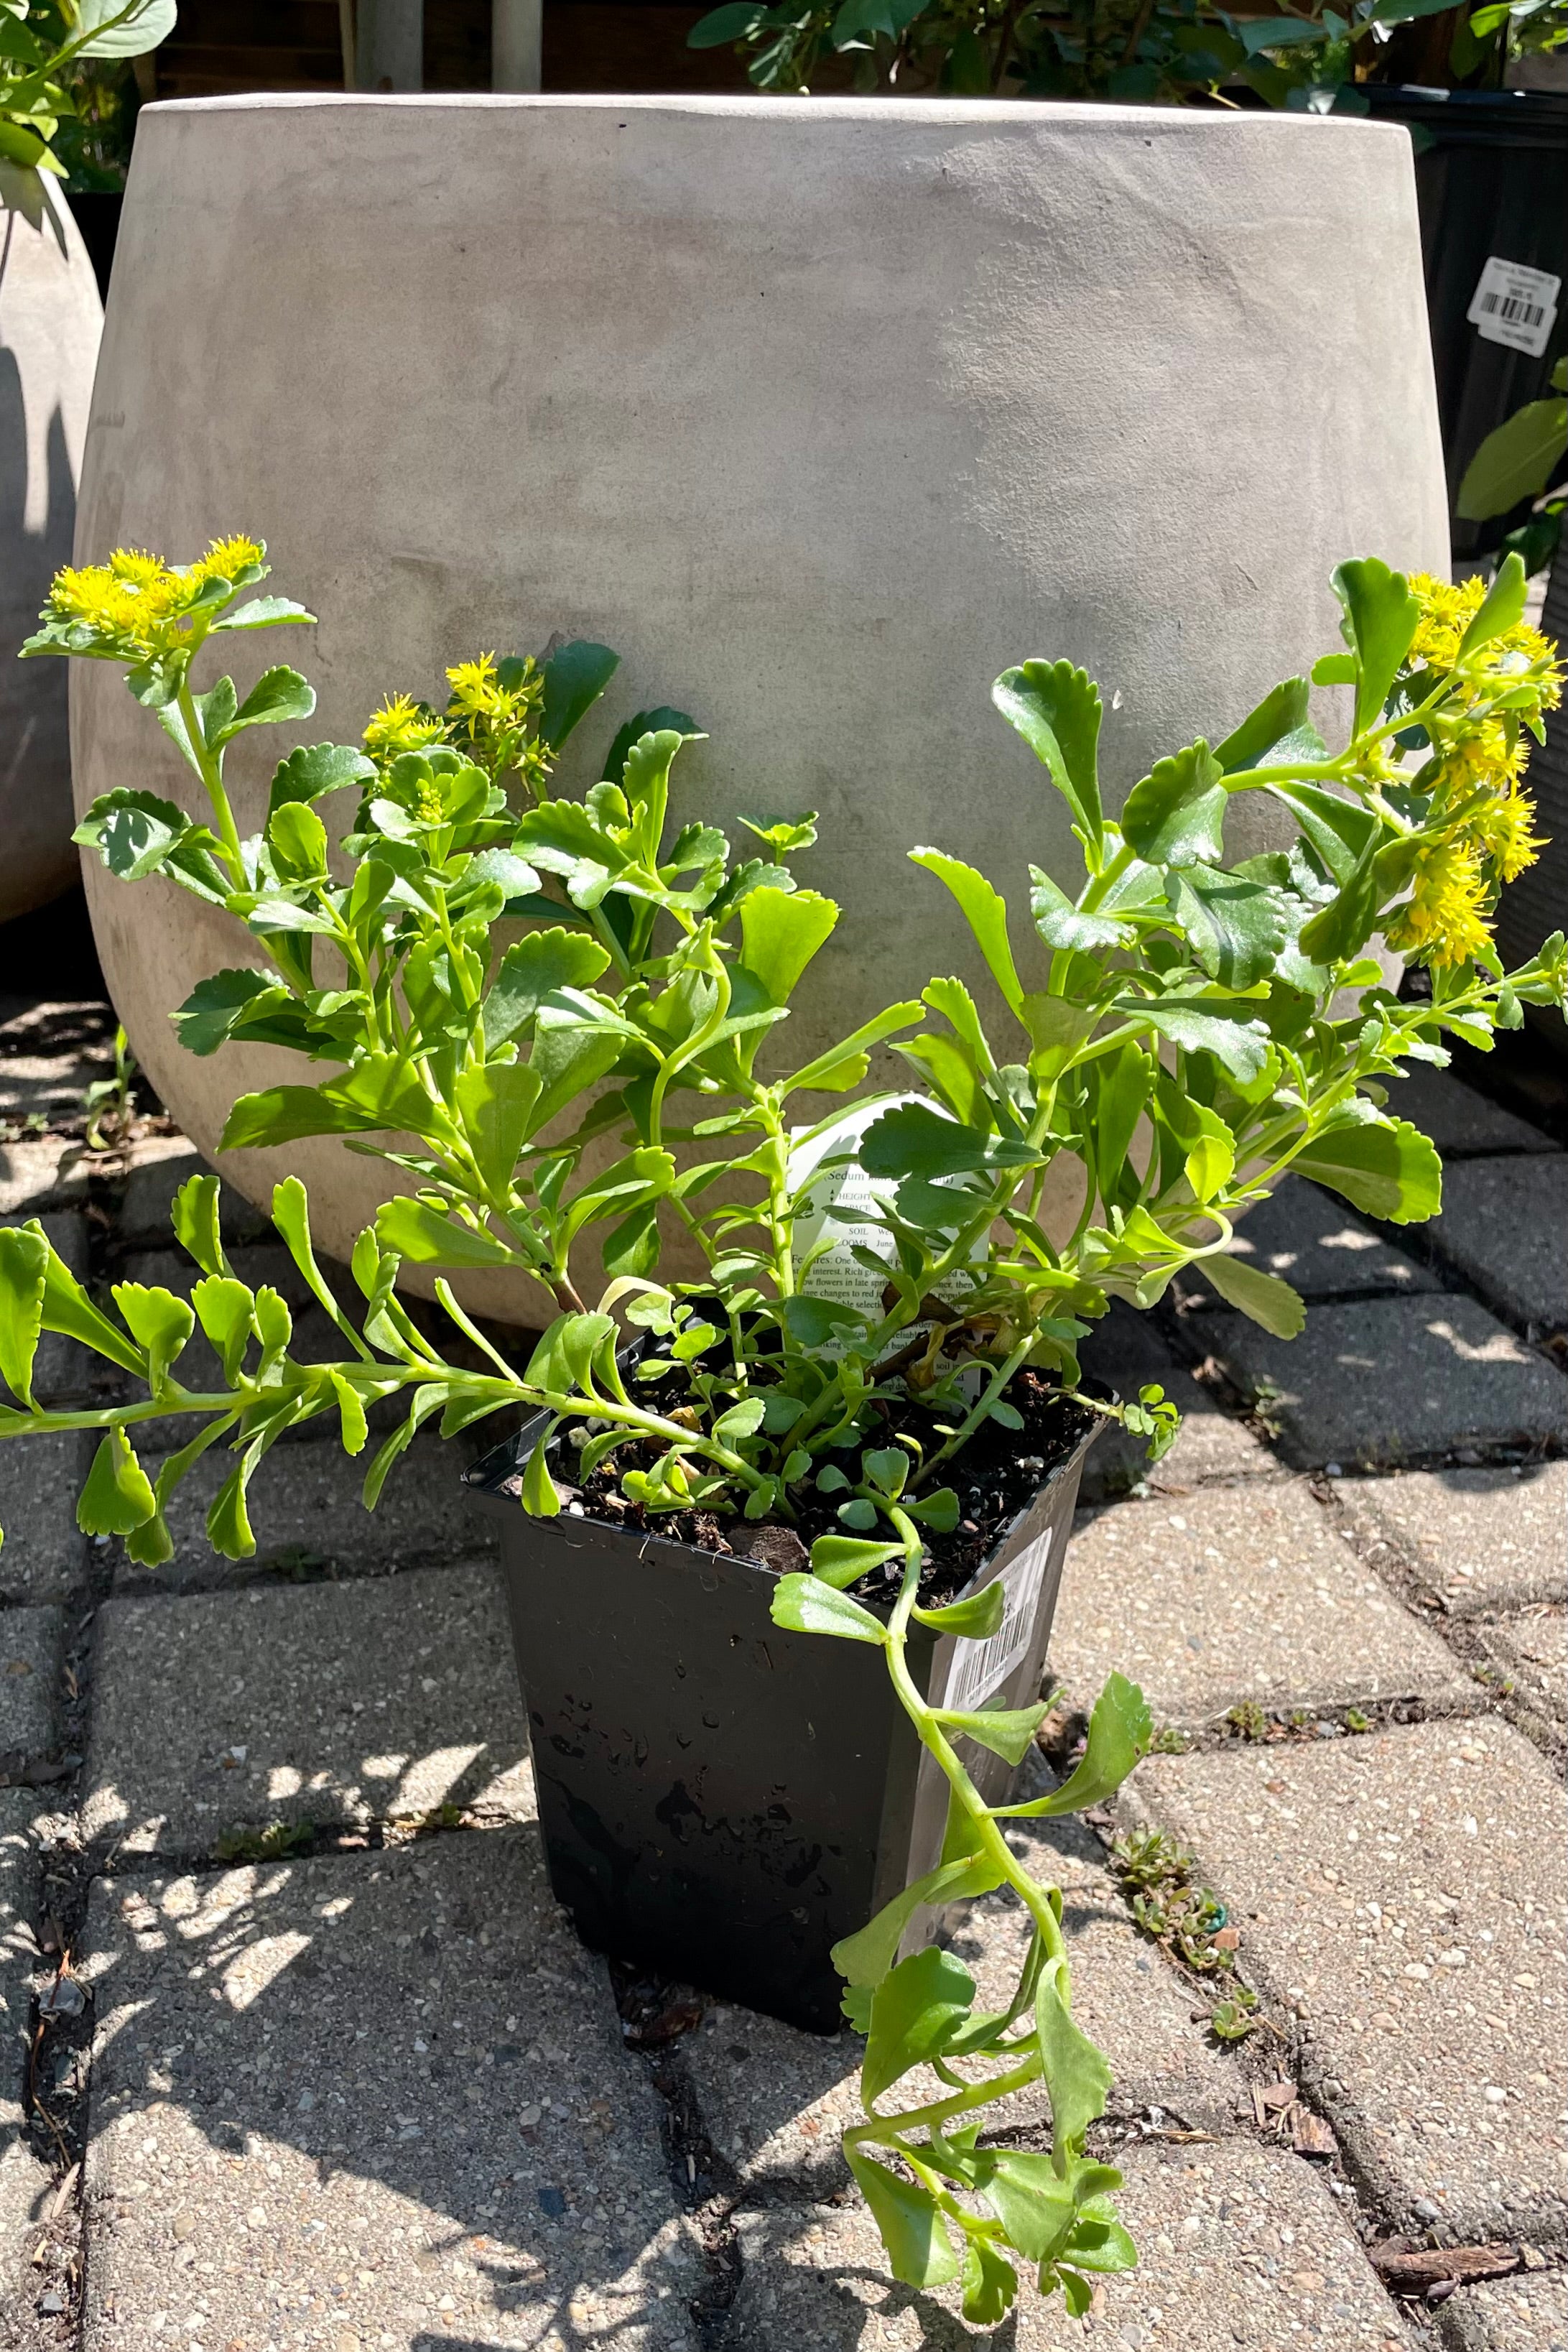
column 1168, row 1741
column 276, row 1843
column 1353, row 1720
column 1186, row 1919
column 1247, row 1721
column 1233, row 2019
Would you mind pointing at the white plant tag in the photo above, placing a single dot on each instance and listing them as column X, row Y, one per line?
column 1516, row 305
column 845, row 1188
column 980, row 1668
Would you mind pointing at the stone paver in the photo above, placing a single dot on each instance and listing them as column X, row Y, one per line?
column 1239, row 2246
column 1311, row 1240
column 158, row 1168
column 1461, row 1122
column 64, row 1372
column 1236, row 1593
column 1504, row 1228
column 1393, row 1380
column 29, row 1680
column 1527, row 2312
column 333, row 1703
column 49, row 1174
column 1126, row 1353
column 51, row 1054
column 1404, row 1892
column 1480, row 1538
column 24, row 2183
column 774, row 2101
column 306, row 1514
column 19, row 1951
column 44, row 1553
column 370, row 2099
column 1533, row 1648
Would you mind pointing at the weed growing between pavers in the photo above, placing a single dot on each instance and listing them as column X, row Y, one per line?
column 1184, row 1000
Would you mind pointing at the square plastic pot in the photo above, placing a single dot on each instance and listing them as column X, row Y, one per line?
column 721, row 1801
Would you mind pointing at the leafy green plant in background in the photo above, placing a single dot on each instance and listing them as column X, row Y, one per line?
column 50, row 61
column 1131, row 51
column 1193, row 1031
column 1522, row 458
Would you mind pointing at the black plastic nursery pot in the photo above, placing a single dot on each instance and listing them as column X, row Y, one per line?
column 721, row 1801
column 1491, row 183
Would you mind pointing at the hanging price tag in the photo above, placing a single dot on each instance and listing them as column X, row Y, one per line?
column 1516, row 305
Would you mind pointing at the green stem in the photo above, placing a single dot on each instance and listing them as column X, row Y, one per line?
column 210, row 771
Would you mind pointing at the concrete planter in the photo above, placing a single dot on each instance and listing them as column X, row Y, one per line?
column 50, row 319
column 821, row 412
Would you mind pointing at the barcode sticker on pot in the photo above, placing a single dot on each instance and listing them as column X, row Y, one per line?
column 1516, row 305
column 980, row 1668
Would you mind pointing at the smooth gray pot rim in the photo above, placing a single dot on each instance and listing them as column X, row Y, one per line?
column 1001, row 115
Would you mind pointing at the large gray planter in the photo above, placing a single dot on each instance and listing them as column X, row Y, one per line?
column 50, row 319
column 821, row 412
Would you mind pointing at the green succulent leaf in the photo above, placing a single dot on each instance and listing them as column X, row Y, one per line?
column 919, row 2251
column 574, row 679
column 990, row 2283
column 1120, row 1731
column 914, row 2012
column 1056, row 708
column 984, row 911
column 1386, row 1167
column 117, row 1495
column 1008, row 1732
column 1077, row 2073
column 1381, row 614
column 23, row 1271
column 781, row 931
column 976, row 1618
column 1176, row 817
column 805, row 1604
column 1262, row 1296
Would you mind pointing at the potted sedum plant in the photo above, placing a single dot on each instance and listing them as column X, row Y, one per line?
column 863, row 1418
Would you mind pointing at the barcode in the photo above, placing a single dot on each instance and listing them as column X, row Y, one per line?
column 1510, row 307
column 980, row 1667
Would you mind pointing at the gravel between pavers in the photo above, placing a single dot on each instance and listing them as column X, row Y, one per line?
column 30, row 1641
column 378, row 2099
column 340, row 1703
column 1403, row 1893
column 774, row 2101
column 1532, row 1649
column 1312, row 1240
column 1237, row 1593
column 1239, row 2247
column 44, row 1554
column 1504, row 1228
column 1384, row 1380
column 1480, row 1538
column 305, row 1514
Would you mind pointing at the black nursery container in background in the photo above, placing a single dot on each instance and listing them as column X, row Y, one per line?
column 1491, row 181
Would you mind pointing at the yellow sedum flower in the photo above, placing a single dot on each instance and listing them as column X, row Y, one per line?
column 225, row 559
column 136, row 602
column 401, row 724
column 475, row 689
column 1503, row 831
column 1445, row 917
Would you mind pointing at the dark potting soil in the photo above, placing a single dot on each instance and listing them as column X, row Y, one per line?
column 996, row 1476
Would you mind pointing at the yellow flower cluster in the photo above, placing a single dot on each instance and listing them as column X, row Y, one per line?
column 1447, row 611
column 1480, row 820
column 135, row 601
column 401, row 724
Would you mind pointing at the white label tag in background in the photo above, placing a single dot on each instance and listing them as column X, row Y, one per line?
column 845, row 1189
column 1516, row 305
column 979, row 1668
